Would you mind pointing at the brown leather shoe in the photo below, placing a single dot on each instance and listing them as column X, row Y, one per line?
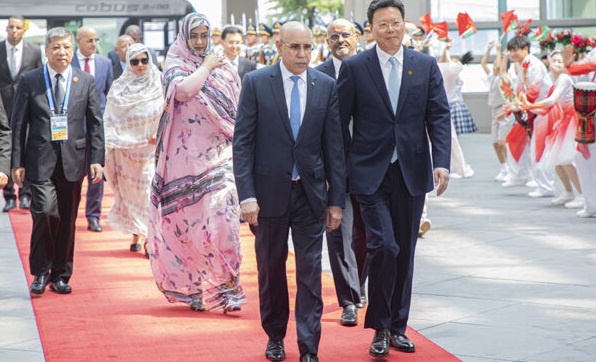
column 402, row 343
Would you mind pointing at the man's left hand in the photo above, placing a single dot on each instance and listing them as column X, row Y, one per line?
column 3, row 179
column 96, row 172
column 333, row 218
column 441, row 177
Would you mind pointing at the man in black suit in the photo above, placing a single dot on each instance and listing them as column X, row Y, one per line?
column 56, row 124
column 26, row 57
column 395, row 99
column 232, row 41
column 342, row 40
column 122, row 44
column 5, row 143
column 290, row 174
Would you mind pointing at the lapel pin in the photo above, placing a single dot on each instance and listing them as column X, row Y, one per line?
column 409, row 72
column 312, row 83
column 75, row 79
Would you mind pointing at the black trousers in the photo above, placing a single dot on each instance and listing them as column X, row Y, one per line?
column 54, row 207
column 392, row 217
column 359, row 243
column 342, row 259
column 271, row 246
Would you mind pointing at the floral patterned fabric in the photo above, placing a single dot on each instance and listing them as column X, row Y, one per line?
column 134, row 106
column 194, row 243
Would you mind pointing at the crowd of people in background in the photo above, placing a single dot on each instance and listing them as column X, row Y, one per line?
column 340, row 131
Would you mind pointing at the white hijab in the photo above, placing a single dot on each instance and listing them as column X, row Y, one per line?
column 134, row 104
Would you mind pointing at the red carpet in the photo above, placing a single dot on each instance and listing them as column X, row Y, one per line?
column 116, row 313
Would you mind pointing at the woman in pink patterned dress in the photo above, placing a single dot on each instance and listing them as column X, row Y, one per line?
column 194, row 244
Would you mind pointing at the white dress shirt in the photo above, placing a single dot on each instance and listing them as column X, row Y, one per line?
column 65, row 75
column 289, row 84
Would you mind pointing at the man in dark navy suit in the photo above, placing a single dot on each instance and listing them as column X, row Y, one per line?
column 290, row 174
column 57, row 135
column 342, row 40
column 396, row 101
column 231, row 41
column 87, row 59
column 20, row 57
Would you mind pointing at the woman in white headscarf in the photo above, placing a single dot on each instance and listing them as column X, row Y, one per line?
column 134, row 105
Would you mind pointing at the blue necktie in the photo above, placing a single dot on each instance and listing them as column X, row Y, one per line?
column 393, row 84
column 295, row 115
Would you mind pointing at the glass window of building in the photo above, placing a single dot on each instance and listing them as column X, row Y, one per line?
column 479, row 10
column 571, row 9
column 525, row 9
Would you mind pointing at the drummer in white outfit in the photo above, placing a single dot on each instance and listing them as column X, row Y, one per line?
column 585, row 161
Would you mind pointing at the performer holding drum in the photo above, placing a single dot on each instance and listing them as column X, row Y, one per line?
column 584, row 96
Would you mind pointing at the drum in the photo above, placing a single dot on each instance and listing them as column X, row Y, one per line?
column 584, row 100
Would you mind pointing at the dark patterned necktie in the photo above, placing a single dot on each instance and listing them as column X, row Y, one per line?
column 58, row 94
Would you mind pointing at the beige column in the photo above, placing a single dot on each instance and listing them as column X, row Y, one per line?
column 237, row 8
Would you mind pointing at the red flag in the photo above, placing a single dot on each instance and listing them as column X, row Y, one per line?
column 465, row 25
column 427, row 22
column 442, row 30
column 525, row 29
column 509, row 20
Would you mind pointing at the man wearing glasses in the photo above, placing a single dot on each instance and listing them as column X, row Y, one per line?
column 342, row 39
column 290, row 174
column 87, row 59
column 395, row 98
column 57, row 136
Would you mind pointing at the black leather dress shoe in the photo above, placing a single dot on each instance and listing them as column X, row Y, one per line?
column 60, row 287
column 309, row 357
column 38, row 286
column 362, row 302
column 25, row 202
column 380, row 344
column 275, row 350
column 402, row 343
column 9, row 205
column 349, row 317
column 94, row 225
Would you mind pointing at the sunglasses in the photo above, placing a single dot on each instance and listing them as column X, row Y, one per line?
column 135, row 62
